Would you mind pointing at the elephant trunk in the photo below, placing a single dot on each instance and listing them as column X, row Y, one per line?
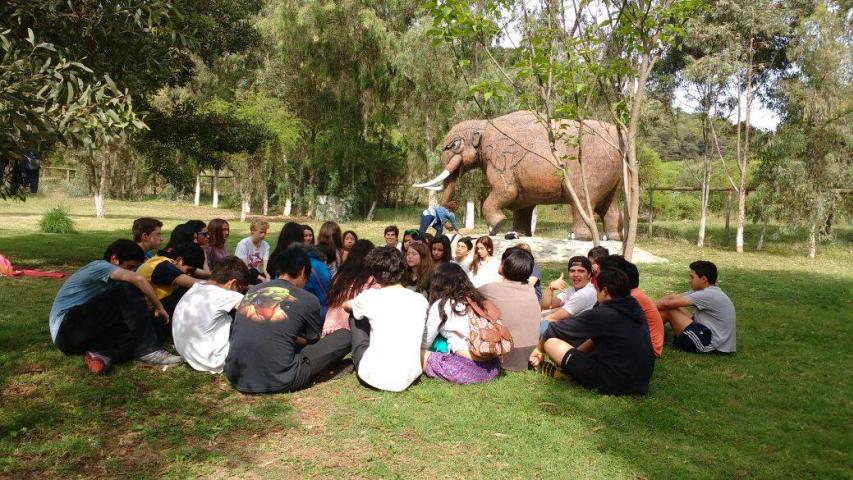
column 449, row 188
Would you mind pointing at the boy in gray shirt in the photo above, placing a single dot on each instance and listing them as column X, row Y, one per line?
column 713, row 326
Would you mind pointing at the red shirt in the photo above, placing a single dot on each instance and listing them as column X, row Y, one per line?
column 653, row 318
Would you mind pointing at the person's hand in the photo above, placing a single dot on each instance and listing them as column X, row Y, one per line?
column 536, row 358
column 161, row 313
column 558, row 284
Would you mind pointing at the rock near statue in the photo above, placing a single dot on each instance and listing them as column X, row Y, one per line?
column 514, row 153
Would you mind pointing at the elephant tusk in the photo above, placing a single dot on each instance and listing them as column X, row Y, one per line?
column 436, row 188
column 435, row 181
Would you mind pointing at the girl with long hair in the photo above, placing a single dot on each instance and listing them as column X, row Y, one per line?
column 440, row 249
column 330, row 234
column 418, row 267
column 350, row 238
column 219, row 231
column 451, row 294
column 352, row 278
column 484, row 267
column 320, row 278
column 307, row 234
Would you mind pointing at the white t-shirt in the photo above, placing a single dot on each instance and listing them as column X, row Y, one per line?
column 201, row 326
column 397, row 317
column 576, row 301
column 456, row 329
column 255, row 257
column 487, row 272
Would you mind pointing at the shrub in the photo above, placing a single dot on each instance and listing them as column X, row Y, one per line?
column 57, row 220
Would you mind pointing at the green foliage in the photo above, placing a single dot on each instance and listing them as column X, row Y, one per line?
column 57, row 220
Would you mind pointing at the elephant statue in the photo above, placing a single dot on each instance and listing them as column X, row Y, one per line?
column 514, row 152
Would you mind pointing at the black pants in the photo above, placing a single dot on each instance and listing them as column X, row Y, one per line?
column 318, row 357
column 360, row 330
column 116, row 324
column 164, row 330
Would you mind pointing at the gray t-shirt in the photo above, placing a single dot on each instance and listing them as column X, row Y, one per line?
column 715, row 310
column 86, row 283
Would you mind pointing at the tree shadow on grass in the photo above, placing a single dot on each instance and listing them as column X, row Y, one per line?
column 777, row 408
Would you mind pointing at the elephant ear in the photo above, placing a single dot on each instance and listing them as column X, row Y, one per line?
column 475, row 138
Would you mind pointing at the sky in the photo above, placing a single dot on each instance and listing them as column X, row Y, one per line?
column 761, row 117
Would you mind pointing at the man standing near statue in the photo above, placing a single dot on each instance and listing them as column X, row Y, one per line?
column 437, row 216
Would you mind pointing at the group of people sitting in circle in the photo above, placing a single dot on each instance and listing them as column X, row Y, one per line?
column 274, row 320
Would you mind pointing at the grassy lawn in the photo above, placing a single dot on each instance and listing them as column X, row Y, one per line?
column 780, row 407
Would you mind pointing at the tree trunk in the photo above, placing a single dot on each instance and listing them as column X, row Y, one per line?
column 469, row 215
column 741, row 204
column 760, row 245
column 215, row 181
column 741, row 215
column 245, row 205
column 371, row 212
column 101, row 189
column 197, row 198
column 288, row 207
column 813, row 238
column 533, row 220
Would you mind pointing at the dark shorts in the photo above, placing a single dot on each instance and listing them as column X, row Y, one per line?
column 695, row 338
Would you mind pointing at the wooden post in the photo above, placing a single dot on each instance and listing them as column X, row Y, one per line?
column 67, row 174
column 728, row 214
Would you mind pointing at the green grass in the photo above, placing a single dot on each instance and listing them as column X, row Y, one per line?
column 780, row 407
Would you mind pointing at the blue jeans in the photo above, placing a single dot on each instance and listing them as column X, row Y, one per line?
column 426, row 221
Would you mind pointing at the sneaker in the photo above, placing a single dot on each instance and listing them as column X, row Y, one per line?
column 160, row 357
column 96, row 363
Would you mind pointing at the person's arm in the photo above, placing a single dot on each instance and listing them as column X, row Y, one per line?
column 452, row 217
column 431, row 327
column 558, row 314
column 184, row 281
column 549, row 300
column 143, row 286
column 347, row 306
column 674, row 300
column 313, row 324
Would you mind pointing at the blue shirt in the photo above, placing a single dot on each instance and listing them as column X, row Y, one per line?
column 318, row 283
column 86, row 283
column 444, row 215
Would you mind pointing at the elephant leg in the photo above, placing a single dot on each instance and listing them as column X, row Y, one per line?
column 522, row 220
column 493, row 214
column 579, row 228
column 612, row 220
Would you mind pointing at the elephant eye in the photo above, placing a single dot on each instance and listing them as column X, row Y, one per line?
column 455, row 145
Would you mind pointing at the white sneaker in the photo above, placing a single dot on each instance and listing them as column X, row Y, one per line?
column 160, row 357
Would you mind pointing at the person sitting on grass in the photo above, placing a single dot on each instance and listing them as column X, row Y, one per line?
column 653, row 318
column 515, row 298
column 419, row 267
column 350, row 238
column 275, row 343
column 216, row 250
column 148, row 234
column 437, row 217
column 201, row 324
column 171, row 272
column 572, row 300
column 594, row 255
column 485, row 266
column 440, row 249
column 101, row 312
column 391, row 236
column 352, row 279
column 320, row 278
column 712, row 328
column 387, row 325
column 254, row 250
column 450, row 296
column 201, row 237
column 536, row 275
column 606, row 348
column 409, row 236
column 462, row 255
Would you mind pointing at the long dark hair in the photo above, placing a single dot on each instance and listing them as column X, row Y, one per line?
column 330, row 233
column 290, row 233
column 352, row 275
column 450, row 283
column 490, row 247
column 445, row 242
column 182, row 235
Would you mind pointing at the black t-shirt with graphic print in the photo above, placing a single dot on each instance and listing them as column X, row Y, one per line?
column 263, row 355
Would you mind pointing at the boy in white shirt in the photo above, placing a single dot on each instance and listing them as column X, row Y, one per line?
column 572, row 299
column 201, row 324
column 254, row 250
column 388, row 325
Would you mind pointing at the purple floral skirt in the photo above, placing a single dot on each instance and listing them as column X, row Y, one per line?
column 460, row 370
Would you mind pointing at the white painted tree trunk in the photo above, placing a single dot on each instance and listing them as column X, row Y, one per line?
column 741, row 214
column 533, row 222
column 245, row 206
column 288, row 207
column 813, row 240
column 215, row 188
column 197, row 198
column 266, row 205
column 372, row 211
column 100, row 207
column 760, row 245
column 469, row 215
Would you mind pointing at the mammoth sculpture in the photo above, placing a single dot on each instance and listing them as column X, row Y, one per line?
column 514, row 153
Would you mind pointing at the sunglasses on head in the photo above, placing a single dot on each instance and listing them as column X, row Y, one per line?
column 203, row 234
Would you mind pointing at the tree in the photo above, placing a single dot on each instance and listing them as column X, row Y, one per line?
column 809, row 161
